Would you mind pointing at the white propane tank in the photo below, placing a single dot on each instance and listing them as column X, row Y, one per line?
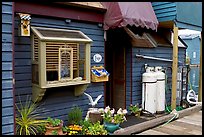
column 149, row 80
column 160, row 92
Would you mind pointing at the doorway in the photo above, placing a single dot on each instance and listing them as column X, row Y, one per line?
column 115, row 52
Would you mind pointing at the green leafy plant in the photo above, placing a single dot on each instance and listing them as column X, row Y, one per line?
column 75, row 115
column 89, row 128
column 28, row 121
column 134, row 109
column 96, row 129
column 85, row 125
column 54, row 122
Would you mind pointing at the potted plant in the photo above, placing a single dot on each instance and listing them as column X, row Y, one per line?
column 113, row 120
column 54, row 126
column 75, row 115
column 28, row 122
column 135, row 110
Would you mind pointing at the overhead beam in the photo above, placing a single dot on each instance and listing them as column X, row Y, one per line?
column 174, row 67
column 200, row 73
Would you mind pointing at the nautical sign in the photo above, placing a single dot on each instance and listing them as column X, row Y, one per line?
column 97, row 58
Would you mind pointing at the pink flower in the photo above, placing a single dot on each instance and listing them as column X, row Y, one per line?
column 113, row 121
column 124, row 111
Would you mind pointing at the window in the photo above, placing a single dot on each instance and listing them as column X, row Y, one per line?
column 60, row 57
column 194, row 54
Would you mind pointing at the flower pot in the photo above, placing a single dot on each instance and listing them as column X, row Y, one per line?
column 50, row 129
column 111, row 127
column 95, row 116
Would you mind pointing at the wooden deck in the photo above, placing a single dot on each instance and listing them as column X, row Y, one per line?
column 188, row 125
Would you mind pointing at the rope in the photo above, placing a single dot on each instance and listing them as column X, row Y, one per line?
column 176, row 115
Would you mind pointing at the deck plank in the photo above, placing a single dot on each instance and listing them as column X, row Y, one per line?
column 187, row 125
column 170, row 131
column 152, row 132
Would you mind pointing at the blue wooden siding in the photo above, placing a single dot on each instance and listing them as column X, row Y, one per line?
column 189, row 15
column 193, row 46
column 138, row 70
column 57, row 101
column 165, row 11
column 128, row 77
column 7, row 71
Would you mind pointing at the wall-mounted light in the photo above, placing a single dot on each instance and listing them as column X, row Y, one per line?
column 68, row 21
column 100, row 25
column 24, row 26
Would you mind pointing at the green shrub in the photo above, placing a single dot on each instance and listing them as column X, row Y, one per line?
column 75, row 115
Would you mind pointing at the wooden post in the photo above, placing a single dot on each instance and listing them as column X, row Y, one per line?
column 174, row 67
column 200, row 73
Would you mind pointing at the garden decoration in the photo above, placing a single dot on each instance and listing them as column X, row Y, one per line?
column 94, row 115
column 135, row 110
column 54, row 127
column 93, row 103
column 113, row 120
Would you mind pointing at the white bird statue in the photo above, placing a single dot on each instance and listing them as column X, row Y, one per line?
column 93, row 103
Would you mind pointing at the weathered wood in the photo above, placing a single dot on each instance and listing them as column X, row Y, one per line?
column 171, row 131
column 187, row 126
column 152, row 132
column 154, row 122
column 143, row 126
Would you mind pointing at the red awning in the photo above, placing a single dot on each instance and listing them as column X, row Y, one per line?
column 121, row 14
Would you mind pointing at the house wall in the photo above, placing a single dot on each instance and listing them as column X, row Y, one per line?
column 138, row 68
column 7, row 70
column 193, row 46
column 57, row 101
column 165, row 11
column 185, row 14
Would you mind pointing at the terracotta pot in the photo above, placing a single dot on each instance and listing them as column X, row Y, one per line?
column 50, row 129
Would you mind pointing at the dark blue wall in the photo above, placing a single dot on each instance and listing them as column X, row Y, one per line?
column 138, row 69
column 7, row 76
column 57, row 101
